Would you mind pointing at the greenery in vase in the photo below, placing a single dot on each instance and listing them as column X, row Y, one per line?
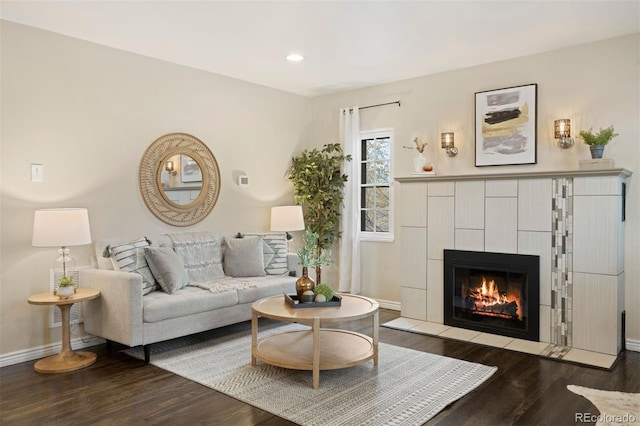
column 309, row 254
column 318, row 186
column 66, row 281
column 601, row 138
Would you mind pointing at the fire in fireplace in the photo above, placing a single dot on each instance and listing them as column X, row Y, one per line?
column 492, row 292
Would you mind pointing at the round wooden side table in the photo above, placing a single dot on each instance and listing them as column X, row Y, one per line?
column 67, row 359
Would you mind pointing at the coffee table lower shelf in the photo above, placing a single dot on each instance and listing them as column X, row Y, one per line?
column 295, row 349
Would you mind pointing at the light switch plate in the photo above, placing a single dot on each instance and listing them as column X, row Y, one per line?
column 243, row 180
column 37, row 172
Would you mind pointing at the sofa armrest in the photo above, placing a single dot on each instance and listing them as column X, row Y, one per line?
column 117, row 314
column 293, row 263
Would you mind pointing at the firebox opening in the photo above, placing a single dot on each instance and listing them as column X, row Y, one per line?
column 492, row 292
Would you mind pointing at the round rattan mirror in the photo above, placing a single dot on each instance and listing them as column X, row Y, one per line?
column 197, row 174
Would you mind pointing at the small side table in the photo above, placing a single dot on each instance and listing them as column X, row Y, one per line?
column 67, row 359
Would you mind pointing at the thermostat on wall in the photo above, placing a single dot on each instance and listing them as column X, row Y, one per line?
column 243, row 180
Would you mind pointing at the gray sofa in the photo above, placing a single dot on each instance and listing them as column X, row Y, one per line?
column 213, row 284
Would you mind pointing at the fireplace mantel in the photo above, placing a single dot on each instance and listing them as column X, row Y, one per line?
column 574, row 220
column 624, row 173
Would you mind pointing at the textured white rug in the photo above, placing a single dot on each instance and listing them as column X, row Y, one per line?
column 616, row 408
column 407, row 387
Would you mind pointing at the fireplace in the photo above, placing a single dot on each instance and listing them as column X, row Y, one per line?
column 494, row 293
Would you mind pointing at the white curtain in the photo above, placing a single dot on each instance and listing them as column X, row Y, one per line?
column 349, row 267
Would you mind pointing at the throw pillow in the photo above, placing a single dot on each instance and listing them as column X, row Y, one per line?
column 200, row 253
column 129, row 257
column 274, row 252
column 167, row 268
column 243, row 257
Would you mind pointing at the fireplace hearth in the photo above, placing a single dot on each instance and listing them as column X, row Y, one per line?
column 494, row 293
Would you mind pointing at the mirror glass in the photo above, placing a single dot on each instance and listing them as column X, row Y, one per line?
column 179, row 179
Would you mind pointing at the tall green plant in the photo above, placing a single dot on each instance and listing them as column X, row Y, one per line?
column 318, row 186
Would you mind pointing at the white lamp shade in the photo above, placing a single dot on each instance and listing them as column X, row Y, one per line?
column 61, row 228
column 287, row 218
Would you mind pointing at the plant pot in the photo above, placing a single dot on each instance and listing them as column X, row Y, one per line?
column 65, row 292
column 304, row 283
column 596, row 151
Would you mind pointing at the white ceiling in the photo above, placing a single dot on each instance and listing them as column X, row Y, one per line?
column 347, row 44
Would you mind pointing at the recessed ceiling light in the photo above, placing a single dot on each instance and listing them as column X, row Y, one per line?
column 294, row 57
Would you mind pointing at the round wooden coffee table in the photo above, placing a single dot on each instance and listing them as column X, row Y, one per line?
column 318, row 348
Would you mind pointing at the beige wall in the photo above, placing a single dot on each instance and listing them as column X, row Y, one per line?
column 87, row 113
column 594, row 84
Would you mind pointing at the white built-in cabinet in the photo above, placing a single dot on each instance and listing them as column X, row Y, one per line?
column 524, row 213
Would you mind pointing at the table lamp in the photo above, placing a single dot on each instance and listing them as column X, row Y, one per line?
column 61, row 228
column 287, row 218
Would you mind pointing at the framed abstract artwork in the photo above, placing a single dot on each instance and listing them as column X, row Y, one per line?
column 506, row 126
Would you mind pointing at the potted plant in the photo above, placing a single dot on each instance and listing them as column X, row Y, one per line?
column 66, row 288
column 310, row 256
column 318, row 186
column 597, row 141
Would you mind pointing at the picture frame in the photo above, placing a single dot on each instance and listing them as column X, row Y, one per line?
column 506, row 126
column 189, row 170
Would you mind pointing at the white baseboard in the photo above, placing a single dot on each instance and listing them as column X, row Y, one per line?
column 632, row 345
column 387, row 304
column 46, row 350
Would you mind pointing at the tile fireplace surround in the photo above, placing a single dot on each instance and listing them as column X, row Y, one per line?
column 573, row 220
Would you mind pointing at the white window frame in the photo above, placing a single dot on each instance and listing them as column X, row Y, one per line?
column 376, row 134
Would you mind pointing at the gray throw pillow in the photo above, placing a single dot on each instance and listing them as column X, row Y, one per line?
column 167, row 268
column 243, row 257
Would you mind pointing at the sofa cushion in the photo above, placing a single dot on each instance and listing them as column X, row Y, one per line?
column 129, row 257
column 243, row 257
column 167, row 268
column 274, row 252
column 159, row 306
column 270, row 285
column 201, row 254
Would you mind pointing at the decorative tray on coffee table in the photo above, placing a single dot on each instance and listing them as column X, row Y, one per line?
column 293, row 301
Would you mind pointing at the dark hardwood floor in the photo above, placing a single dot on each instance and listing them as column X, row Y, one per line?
column 119, row 390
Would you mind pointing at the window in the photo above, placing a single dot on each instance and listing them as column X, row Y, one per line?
column 376, row 186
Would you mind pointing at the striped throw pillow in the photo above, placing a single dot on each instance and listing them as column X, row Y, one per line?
column 274, row 250
column 129, row 257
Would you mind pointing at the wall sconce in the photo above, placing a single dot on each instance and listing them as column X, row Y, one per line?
column 447, row 144
column 170, row 168
column 562, row 132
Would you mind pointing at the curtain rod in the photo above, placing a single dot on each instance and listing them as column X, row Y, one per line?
column 378, row 105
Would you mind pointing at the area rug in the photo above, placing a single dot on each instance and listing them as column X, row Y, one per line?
column 407, row 387
column 616, row 408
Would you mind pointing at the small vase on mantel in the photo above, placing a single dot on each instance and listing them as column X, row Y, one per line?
column 304, row 283
column 419, row 162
